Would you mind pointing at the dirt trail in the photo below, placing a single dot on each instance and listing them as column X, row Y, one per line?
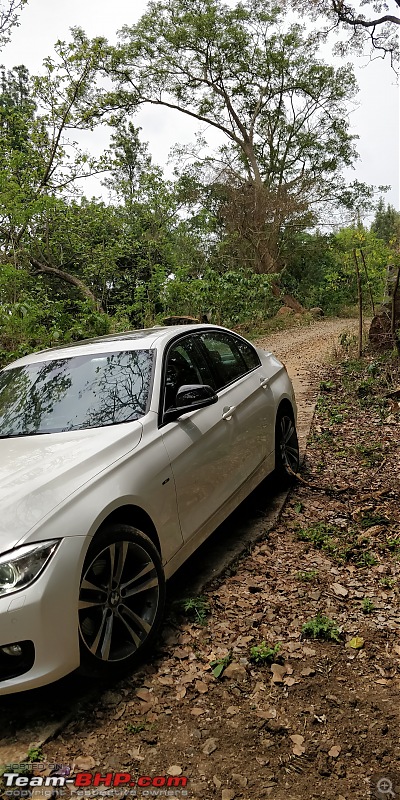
column 303, row 350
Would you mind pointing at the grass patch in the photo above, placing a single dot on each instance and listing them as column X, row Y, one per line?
column 341, row 544
column 35, row 754
column 371, row 454
column 387, row 583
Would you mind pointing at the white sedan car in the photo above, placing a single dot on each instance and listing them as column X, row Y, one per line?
column 119, row 456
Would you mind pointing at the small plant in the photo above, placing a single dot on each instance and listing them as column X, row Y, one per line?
column 195, row 607
column 388, row 583
column 326, row 386
column 263, row 654
column 308, row 576
column 367, row 559
column 319, row 535
column 324, row 436
column 371, row 454
column 220, row 664
column 321, row 628
column 349, row 341
column 365, row 387
column 298, row 508
column 393, row 543
column 35, row 754
column 369, row 520
column 367, row 605
column 131, row 728
column 335, row 415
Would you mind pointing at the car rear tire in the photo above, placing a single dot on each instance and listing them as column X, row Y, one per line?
column 287, row 455
column 121, row 601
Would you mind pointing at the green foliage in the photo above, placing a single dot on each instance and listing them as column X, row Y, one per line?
column 386, row 224
column 30, row 318
column 260, row 82
column 387, row 582
column 203, row 242
column 229, row 297
column 263, row 653
column 367, row 605
column 220, row 664
column 131, row 728
column 307, row 576
column 321, row 535
column 321, row 627
column 343, row 545
column 9, row 14
column 35, row 754
column 197, row 608
column 326, row 386
column 371, row 455
column 393, row 543
column 367, row 559
column 341, row 280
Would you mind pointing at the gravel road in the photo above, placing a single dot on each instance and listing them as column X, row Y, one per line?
column 303, row 350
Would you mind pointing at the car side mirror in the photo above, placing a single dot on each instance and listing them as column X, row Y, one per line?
column 193, row 396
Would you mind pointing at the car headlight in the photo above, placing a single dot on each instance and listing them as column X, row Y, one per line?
column 22, row 566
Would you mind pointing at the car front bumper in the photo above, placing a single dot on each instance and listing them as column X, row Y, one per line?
column 44, row 614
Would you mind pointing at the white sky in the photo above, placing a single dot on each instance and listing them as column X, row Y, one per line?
column 375, row 120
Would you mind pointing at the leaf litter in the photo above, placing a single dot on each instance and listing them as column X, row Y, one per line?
column 325, row 719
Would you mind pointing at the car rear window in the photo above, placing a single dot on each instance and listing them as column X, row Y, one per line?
column 75, row 393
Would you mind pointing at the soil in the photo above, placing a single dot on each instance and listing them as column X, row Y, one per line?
column 297, row 718
column 304, row 350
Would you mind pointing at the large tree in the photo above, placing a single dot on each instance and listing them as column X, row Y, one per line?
column 386, row 224
column 258, row 81
column 39, row 161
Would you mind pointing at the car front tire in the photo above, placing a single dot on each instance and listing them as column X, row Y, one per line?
column 121, row 601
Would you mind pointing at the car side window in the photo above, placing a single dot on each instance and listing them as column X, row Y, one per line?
column 249, row 354
column 231, row 358
column 184, row 365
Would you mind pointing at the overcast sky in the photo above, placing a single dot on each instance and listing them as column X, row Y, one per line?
column 375, row 120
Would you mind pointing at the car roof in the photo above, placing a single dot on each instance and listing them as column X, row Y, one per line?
column 144, row 338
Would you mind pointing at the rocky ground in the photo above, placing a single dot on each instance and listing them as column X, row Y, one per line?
column 281, row 680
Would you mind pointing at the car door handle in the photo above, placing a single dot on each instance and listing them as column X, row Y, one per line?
column 228, row 411
column 264, row 382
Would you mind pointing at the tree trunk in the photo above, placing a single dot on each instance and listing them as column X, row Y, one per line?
column 68, row 278
column 287, row 299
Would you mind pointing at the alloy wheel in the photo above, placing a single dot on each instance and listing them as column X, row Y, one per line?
column 118, row 600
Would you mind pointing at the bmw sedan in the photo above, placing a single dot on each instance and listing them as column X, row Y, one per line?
column 118, row 457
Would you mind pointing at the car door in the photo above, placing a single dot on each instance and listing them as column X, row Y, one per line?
column 199, row 443
column 204, row 446
column 246, row 398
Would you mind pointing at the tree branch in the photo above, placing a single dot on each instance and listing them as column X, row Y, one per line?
column 68, row 278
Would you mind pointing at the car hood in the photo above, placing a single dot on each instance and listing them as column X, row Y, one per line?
column 37, row 473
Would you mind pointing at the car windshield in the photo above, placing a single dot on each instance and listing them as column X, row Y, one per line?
column 69, row 394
